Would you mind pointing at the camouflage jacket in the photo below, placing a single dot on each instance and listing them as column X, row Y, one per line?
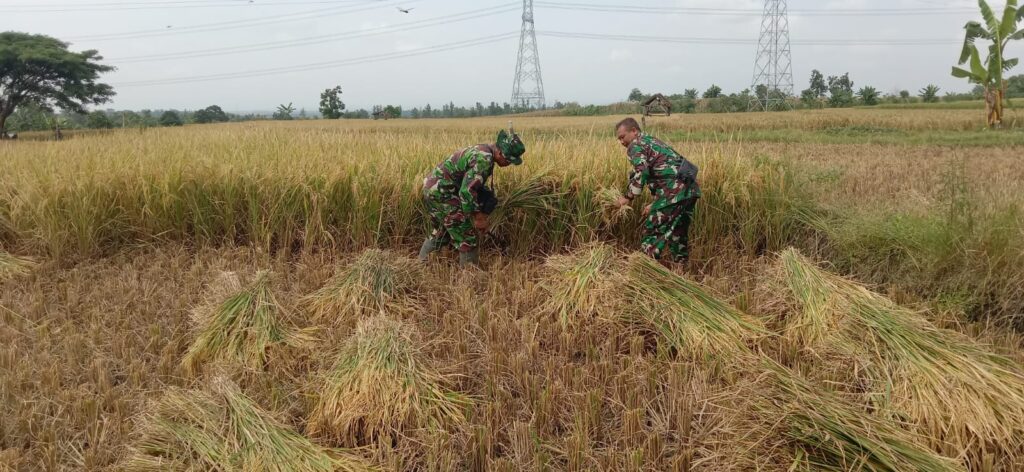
column 669, row 175
column 460, row 178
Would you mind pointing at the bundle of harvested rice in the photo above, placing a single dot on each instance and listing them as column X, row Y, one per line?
column 607, row 199
column 376, row 281
column 379, row 388
column 830, row 433
column 968, row 400
column 225, row 430
column 685, row 314
column 582, row 284
column 241, row 327
column 13, row 266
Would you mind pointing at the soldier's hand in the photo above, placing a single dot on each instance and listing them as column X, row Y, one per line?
column 480, row 222
column 647, row 209
column 622, row 201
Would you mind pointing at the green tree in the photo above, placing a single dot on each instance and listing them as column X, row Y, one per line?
column 99, row 120
column 840, row 90
column 713, row 91
column 1000, row 31
column 692, row 94
column 284, row 112
column 635, row 95
column 868, row 96
column 42, row 71
column 210, row 114
column 1015, row 87
column 331, row 106
column 809, row 98
column 170, row 118
column 905, row 96
column 929, row 94
column 818, row 85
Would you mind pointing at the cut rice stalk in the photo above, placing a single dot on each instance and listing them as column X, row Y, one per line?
column 376, row 281
column 13, row 266
column 241, row 328
column 950, row 387
column 607, row 199
column 581, row 284
column 830, row 433
column 379, row 388
column 225, row 430
column 694, row 321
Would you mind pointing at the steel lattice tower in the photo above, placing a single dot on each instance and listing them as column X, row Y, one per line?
column 773, row 67
column 528, row 89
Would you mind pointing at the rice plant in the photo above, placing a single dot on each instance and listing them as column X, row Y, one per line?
column 376, row 281
column 581, row 284
column 685, row 314
column 13, row 266
column 241, row 328
column 380, row 388
column 830, row 433
column 224, row 430
column 948, row 386
column 607, row 200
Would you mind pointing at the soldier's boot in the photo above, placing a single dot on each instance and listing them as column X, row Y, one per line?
column 470, row 258
column 429, row 246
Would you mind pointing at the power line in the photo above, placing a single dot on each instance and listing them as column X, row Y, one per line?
column 325, row 65
column 259, row 47
column 710, row 41
column 171, row 5
column 749, row 12
column 236, row 24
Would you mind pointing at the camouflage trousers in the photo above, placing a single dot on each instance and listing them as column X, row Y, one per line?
column 666, row 232
column 449, row 225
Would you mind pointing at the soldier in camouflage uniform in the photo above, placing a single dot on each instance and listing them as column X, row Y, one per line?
column 454, row 194
column 673, row 183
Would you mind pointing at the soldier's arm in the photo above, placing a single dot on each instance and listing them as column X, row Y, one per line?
column 476, row 176
column 640, row 173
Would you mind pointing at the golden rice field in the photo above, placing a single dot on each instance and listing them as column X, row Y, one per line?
column 245, row 297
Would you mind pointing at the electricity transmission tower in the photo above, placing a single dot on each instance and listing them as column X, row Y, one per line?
column 528, row 89
column 773, row 68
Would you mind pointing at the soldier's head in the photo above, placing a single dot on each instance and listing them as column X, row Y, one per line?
column 510, row 149
column 626, row 131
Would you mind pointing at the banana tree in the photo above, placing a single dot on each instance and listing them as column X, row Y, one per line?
column 989, row 74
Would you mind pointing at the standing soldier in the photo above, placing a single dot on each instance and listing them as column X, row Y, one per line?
column 455, row 193
column 673, row 183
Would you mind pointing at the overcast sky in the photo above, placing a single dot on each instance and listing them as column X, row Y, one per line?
column 574, row 69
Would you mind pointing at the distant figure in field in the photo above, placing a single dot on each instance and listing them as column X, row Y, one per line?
column 458, row 199
column 673, row 183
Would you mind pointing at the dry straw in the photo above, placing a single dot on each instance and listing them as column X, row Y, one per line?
column 947, row 386
column 376, row 281
column 607, row 200
column 581, row 285
column 830, row 433
column 225, row 430
column 13, row 266
column 682, row 311
column 380, row 388
column 241, row 328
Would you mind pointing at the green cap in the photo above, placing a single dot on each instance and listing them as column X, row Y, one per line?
column 511, row 146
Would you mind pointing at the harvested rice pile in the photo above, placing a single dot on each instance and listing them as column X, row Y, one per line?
column 948, row 387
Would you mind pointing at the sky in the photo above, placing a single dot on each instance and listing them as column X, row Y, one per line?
column 247, row 56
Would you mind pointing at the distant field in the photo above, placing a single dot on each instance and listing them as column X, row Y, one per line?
column 853, row 303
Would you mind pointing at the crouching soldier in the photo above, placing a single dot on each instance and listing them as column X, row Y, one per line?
column 456, row 191
column 673, row 183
